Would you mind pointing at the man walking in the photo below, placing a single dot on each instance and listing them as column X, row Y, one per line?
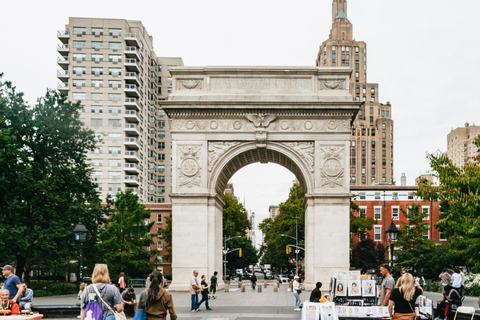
column 213, row 284
column 388, row 284
column 253, row 279
column 445, row 278
column 12, row 283
column 195, row 289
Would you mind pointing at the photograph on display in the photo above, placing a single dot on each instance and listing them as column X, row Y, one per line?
column 341, row 288
column 311, row 312
column 328, row 312
column 354, row 275
column 354, row 288
column 343, row 275
column 368, row 288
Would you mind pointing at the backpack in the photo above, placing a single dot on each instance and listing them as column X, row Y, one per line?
column 93, row 311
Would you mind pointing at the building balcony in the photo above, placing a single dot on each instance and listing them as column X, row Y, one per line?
column 132, row 129
column 132, row 77
column 132, row 90
column 62, row 86
column 133, row 103
column 132, row 143
column 133, row 52
column 63, row 62
column 132, row 40
column 62, row 74
column 134, row 190
column 132, row 180
column 132, row 156
column 132, row 168
column 132, row 116
column 132, row 65
column 63, row 48
column 63, row 36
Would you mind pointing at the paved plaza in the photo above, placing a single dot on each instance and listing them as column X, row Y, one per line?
column 236, row 305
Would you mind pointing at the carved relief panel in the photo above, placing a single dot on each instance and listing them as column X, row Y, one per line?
column 189, row 169
column 332, row 169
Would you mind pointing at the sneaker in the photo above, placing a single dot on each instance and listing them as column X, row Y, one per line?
column 196, row 310
column 209, row 308
column 297, row 309
column 192, row 311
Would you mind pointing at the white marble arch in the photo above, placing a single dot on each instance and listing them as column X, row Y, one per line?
column 224, row 118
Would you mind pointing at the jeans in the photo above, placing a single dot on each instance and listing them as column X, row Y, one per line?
column 297, row 300
column 194, row 302
column 204, row 298
column 25, row 305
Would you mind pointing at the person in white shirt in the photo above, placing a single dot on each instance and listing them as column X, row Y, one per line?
column 456, row 279
column 297, row 290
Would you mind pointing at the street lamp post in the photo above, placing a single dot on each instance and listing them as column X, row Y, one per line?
column 392, row 232
column 225, row 251
column 81, row 237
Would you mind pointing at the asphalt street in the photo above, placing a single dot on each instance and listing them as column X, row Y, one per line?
column 237, row 305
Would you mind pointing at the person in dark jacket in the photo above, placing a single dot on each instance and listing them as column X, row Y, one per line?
column 316, row 293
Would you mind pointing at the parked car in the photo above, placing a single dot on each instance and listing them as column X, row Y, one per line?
column 246, row 275
column 268, row 275
column 281, row 278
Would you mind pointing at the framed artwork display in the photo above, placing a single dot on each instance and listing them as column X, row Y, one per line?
column 354, row 288
column 341, row 288
column 368, row 288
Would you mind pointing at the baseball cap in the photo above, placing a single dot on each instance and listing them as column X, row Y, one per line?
column 296, row 277
column 7, row 267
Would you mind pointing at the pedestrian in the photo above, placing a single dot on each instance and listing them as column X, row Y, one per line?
column 297, row 290
column 463, row 280
column 451, row 297
column 26, row 299
column 445, row 278
column 158, row 300
column 457, row 280
column 121, row 282
column 79, row 295
column 204, row 286
column 12, row 283
column 109, row 293
column 147, row 281
column 129, row 300
column 388, row 284
column 420, row 280
column 8, row 304
column 213, row 285
column 195, row 289
column 253, row 280
column 316, row 293
column 402, row 299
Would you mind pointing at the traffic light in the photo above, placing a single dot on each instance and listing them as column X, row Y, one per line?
column 240, row 253
column 288, row 250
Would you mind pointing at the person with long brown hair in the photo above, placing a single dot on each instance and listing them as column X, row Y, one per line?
column 121, row 282
column 403, row 297
column 158, row 300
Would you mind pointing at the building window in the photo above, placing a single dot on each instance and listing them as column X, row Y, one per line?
column 161, row 168
column 79, row 44
column 97, row 31
column 114, row 71
column 395, row 213
column 78, row 82
column 97, row 109
column 159, row 246
column 97, row 83
column 114, row 123
column 159, row 218
column 114, row 83
column 114, row 109
column 426, row 233
column 161, row 199
column 114, row 187
column 377, row 215
column 78, row 96
column 114, row 174
column 114, row 58
column 357, row 66
column 161, row 179
column 96, row 96
column 357, row 49
column 114, row 96
column 114, row 136
column 364, row 180
column 333, row 48
column 115, row 32
column 362, row 196
column 161, row 134
column 79, row 70
column 97, row 57
column 410, row 196
column 426, row 212
column 79, row 56
column 79, row 31
column 97, row 44
column 377, row 233
column 441, row 236
column 363, row 211
column 114, row 150
column 377, row 195
column 353, row 179
column 115, row 45
column 114, row 162
column 97, row 71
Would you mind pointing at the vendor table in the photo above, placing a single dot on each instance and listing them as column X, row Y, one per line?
column 21, row 317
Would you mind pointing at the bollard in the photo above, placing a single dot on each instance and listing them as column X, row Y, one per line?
column 239, row 284
column 259, row 288
column 227, row 289
column 275, row 288
column 243, row 288
column 264, row 284
column 290, row 285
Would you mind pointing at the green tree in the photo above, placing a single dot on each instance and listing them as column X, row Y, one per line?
column 166, row 235
column 459, row 196
column 45, row 182
column 126, row 235
column 359, row 222
column 367, row 255
column 414, row 247
column 274, row 246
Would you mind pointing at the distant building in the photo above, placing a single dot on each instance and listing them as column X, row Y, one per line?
column 273, row 211
column 371, row 150
column 230, row 190
column 429, row 178
column 460, row 146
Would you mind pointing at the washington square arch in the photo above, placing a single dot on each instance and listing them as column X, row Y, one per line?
column 225, row 118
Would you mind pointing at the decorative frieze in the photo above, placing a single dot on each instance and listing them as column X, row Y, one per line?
column 298, row 84
column 216, row 150
column 306, row 152
column 190, row 84
column 332, row 170
column 332, row 84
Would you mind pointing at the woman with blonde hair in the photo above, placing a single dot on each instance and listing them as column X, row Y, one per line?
column 108, row 292
column 403, row 297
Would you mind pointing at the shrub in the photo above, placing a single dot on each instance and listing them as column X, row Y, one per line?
column 47, row 288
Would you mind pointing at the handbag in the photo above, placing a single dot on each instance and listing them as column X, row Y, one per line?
column 415, row 317
column 197, row 291
column 141, row 314
column 118, row 315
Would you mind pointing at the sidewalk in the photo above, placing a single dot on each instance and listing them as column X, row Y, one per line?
column 236, row 305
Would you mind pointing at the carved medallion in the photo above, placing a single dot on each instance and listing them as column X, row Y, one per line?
column 237, row 125
column 332, row 171
column 189, row 170
column 213, row 125
column 308, row 125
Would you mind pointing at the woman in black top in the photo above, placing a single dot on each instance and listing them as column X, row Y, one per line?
column 403, row 297
column 204, row 286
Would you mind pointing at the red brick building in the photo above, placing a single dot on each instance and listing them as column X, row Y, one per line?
column 159, row 212
column 384, row 204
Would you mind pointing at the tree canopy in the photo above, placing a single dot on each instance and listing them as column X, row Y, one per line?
column 459, row 196
column 45, row 181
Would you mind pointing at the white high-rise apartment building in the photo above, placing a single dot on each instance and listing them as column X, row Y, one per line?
column 461, row 146
column 110, row 66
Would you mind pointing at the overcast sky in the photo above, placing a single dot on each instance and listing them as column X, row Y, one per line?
column 424, row 55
